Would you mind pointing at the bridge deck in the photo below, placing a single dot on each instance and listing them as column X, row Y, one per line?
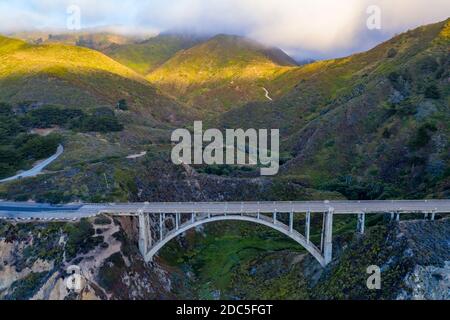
column 37, row 211
column 339, row 207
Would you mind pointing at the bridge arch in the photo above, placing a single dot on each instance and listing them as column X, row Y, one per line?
column 278, row 226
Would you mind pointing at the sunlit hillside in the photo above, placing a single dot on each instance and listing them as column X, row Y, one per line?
column 75, row 76
column 145, row 56
column 222, row 73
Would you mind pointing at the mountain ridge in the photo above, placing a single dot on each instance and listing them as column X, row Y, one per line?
column 221, row 73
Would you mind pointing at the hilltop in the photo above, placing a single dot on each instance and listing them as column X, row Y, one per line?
column 93, row 39
column 221, row 73
column 145, row 56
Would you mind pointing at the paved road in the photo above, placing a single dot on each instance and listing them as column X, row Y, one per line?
column 267, row 94
column 13, row 210
column 38, row 168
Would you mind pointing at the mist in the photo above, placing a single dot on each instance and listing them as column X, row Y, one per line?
column 305, row 29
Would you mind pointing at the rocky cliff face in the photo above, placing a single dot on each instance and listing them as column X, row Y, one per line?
column 429, row 245
column 414, row 257
column 34, row 259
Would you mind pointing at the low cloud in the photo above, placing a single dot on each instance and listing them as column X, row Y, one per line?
column 319, row 29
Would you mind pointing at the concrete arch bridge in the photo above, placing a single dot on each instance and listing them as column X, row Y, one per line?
column 161, row 223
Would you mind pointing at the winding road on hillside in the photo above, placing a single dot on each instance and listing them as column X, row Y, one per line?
column 267, row 94
column 37, row 169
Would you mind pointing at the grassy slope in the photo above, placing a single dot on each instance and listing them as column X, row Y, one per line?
column 145, row 56
column 75, row 76
column 367, row 116
column 221, row 73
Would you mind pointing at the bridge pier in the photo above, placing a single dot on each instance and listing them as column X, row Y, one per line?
column 291, row 221
column 145, row 239
column 177, row 221
column 161, row 229
column 308, row 226
column 328, row 241
column 361, row 222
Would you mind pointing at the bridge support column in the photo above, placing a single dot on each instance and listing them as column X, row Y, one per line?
column 291, row 222
column 328, row 240
column 145, row 241
column 361, row 222
column 397, row 217
column 433, row 216
column 308, row 226
column 177, row 221
column 161, row 227
column 322, row 235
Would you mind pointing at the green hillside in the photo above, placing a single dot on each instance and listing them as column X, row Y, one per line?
column 143, row 57
column 373, row 125
column 222, row 73
column 75, row 76
column 74, row 92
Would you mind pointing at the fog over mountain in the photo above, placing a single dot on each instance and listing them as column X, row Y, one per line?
column 305, row 29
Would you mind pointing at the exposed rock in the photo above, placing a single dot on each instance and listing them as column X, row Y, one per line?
column 428, row 283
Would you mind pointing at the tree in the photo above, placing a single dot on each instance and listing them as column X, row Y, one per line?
column 432, row 92
column 122, row 105
column 391, row 53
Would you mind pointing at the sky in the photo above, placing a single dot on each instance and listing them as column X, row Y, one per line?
column 316, row 29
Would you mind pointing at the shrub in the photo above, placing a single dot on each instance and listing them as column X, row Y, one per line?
column 422, row 137
column 80, row 238
column 102, row 220
column 391, row 53
column 37, row 147
column 53, row 197
column 48, row 116
column 102, row 120
column 5, row 109
column 432, row 92
column 9, row 128
column 122, row 105
column 111, row 271
column 428, row 64
column 27, row 287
